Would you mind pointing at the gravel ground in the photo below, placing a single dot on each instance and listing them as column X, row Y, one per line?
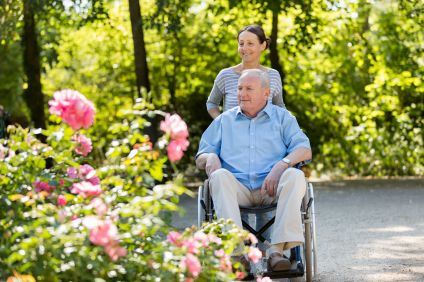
column 367, row 230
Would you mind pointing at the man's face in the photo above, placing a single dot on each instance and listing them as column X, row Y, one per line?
column 252, row 96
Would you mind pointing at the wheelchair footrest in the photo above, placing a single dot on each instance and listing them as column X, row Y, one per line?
column 296, row 272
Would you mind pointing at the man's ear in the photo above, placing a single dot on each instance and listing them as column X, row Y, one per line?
column 267, row 92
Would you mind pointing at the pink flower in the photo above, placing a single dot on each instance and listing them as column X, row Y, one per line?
column 99, row 205
column 84, row 144
column 202, row 238
column 2, row 152
column 191, row 245
column 174, row 238
column 214, row 239
column 175, row 149
column 104, row 234
column 61, row 200
column 73, row 107
column 43, row 186
column 252, row 238
column 192, row 263
column 263, row 279
column 174, row 126
column 114, row 251
column 219, row 253
column 61, row 215
column 254, row 254
column 88, row 173
column 225, row 264
column 72, row 172
column 86, row 189
column 240, row 275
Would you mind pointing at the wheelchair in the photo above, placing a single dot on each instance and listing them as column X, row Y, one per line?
column 304, row 258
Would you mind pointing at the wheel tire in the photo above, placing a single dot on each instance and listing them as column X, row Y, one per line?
column 200, row 209
column 308, row 240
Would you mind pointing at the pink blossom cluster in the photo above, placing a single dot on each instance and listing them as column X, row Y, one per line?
column 73, row 107
column 254, row 254
column 84, row 145
column 90, row 185
column 85, row 172
column 192, row 246
column 177, row 129
column 43, row 186
column 105, row 234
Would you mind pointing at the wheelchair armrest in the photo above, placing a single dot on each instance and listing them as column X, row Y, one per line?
column 302, row 164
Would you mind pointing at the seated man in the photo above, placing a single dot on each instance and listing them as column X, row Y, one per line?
column 247, row 153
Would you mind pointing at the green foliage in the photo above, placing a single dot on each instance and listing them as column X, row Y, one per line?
column 353, row 71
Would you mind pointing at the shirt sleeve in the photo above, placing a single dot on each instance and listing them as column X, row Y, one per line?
column 217, row 92
column 277, row 93
column 293, row 136
column 211, row 139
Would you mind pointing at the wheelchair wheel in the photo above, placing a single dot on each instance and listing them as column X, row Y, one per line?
column 200, row 210
column 310, row 251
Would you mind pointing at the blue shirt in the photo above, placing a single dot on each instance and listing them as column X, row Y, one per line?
column 250, row 147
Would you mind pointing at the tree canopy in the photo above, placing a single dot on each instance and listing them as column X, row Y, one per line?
column 352, row 69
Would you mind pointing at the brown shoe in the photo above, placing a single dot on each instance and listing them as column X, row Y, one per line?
column 243, row 261
column 277, row 262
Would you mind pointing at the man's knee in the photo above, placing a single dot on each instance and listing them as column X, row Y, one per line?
column 293, row 173
column 219, row 173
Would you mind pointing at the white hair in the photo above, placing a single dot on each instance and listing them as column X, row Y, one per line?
column 263, row 76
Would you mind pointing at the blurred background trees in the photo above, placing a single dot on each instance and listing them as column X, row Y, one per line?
column 352, row 70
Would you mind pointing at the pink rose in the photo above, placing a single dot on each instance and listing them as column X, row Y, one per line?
column 240, row 275
column 86, row 189
column 114, row 251
column 192, row 246
column 174, row 237
column 99, row 205
column 84, row 144
column 219, row 253
column 192, row 264
column 88, row 173
column 202, row 238
column 175, row 149
column 72, row 172
column 61, row 200
column 254, row 254
column 2, row 152
column 104, row 234
column 73, row 107
column 225, row 264
column 43, row 186
column 174, row 126
column 252, row 238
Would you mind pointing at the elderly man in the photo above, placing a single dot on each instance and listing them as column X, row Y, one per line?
column 247, row 153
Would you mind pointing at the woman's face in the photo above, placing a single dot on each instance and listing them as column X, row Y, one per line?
column 249, row 47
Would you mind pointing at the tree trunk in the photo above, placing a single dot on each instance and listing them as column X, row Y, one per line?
column 33, row 95
column 273, row 52
column 140, row 57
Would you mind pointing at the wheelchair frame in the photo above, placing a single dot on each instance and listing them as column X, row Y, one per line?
column 205, row 211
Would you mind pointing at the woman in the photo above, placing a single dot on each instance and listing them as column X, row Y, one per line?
column 251, row 43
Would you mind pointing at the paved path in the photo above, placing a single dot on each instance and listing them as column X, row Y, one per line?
column 367, row 230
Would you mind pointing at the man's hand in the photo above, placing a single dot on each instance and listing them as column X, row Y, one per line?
column 212, row 163
column 271, row 181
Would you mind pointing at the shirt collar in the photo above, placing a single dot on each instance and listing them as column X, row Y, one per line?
column 267, row 110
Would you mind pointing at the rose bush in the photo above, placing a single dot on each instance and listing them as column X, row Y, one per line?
column 65, row 217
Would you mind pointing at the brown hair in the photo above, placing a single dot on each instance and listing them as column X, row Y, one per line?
column 258, row 31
